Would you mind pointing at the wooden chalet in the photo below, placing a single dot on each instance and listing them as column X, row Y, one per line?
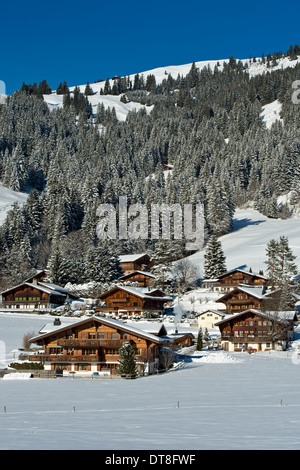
column 136, row 262
column 254, row 329
column 129, row 301
column 34, row 294
column 142, row 278
column 233, row 278
column 243, row 298
column 176, row 339
column 91, row 347
column 209, row 317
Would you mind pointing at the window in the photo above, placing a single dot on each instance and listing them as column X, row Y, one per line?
column 114, row 336
column 100, row 335
column 88, row 352
column 55, row 350
column 112, row 351
column 91, row 335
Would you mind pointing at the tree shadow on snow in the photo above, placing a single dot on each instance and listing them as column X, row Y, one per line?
column 242, row 223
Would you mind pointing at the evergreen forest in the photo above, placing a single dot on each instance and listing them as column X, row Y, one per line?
column 207, row 125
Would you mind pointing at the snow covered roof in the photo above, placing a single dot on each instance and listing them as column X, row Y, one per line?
column 217, row 312
column 257, row 292
column 131, row 258
column 54, row 326
column 280, row 316
column 52, row 286
column 145, row 273
column 40, row 286
column 49, row 329
column 143, row 292
column 244, row 272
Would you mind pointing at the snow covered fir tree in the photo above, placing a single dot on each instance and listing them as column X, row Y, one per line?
column 207, row 125
column 214, row 259
column 127, row 362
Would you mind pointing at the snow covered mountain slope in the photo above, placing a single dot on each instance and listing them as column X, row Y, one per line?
column 7, row 198
column 245, row 246
column 271, row 113
column 160, row 73
column 109, row 101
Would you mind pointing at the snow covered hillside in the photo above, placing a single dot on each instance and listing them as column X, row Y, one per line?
column 109, row 101
column 161, row 73
column 7, row 198
column 271, row 113
column 245, row 245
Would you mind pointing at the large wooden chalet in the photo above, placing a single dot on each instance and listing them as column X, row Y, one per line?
column 125, row 300
column 254, row 329
column 233, row 278
column 34, row 294
column 135, row 262
column 91, row 346
column 243, row 298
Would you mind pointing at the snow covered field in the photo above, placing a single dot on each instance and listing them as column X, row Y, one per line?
column 217, row 401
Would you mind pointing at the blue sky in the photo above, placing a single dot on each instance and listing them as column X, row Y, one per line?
column 87, row 41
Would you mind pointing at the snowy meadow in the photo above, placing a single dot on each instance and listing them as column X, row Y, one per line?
column 216, row 401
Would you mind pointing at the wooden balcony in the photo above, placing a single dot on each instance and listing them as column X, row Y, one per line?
column 90, row 343
column 66, row 358
column 247, row 339
column 14, row 303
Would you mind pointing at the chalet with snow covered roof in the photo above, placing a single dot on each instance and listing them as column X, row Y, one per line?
column 91, row 347
column 209, row 317
column 176, row 339
column 34, row 294
column 129, row 301
column 243, row 298
column 135, row 262
column 233, row 278
column 142, row 278
column 254, row 329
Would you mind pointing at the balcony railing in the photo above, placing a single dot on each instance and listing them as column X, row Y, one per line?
column 247, row 339
column 68, row 358
column 90, row 343
column 24, row 302
column 65, row 358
